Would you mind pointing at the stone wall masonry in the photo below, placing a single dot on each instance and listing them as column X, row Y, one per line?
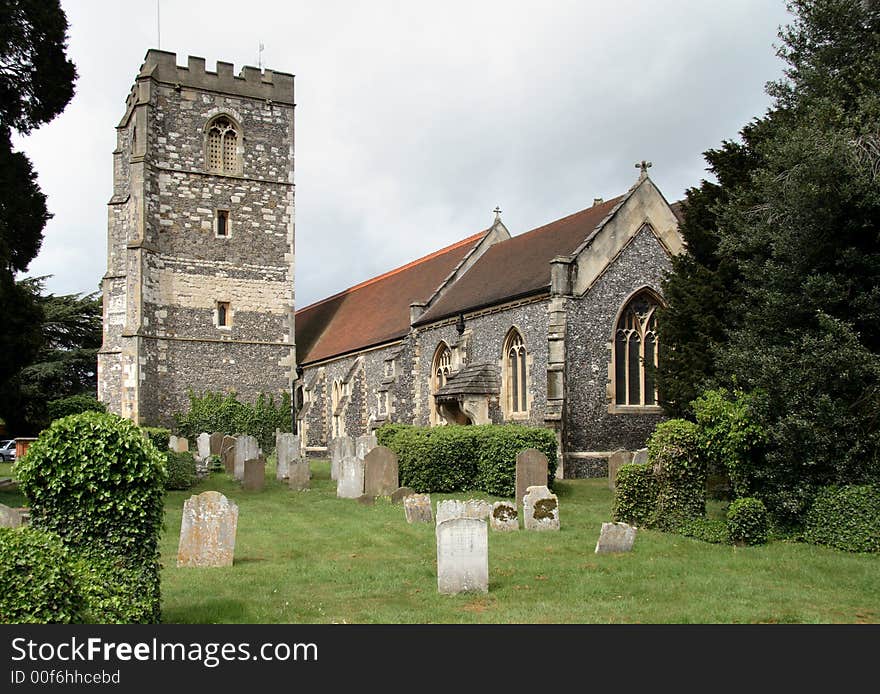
column 590, row 325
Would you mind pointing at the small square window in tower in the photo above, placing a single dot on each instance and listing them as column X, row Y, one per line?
column 224, row 316
column 221, row 224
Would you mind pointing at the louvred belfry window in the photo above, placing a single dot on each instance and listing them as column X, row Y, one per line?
column 636, row 353
column 222, row 147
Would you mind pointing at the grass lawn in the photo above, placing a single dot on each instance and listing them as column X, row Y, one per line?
column 308, row 557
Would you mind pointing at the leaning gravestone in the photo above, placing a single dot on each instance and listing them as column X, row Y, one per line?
column 9, row 517
column 616, row 537
column 227, row 454
column 207, row 531
column 351, row 478
column 462, row 556
column 204, row 445
column 417, row 508
column 616, row 460
column 503, row 516
column 540, row 509
column 216, row 442
column 400, row 494
column 254, row 474
column 298, row 474
column 472, row 508
column 286, row 452
column 380, row 472
column 246, row 448
column 341, row 447
column 364, row 444
column 531, row 470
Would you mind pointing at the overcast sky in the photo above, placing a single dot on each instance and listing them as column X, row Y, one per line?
column 415, row 119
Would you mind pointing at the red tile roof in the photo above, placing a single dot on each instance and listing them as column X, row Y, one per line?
column 374, row 311
column 519, row 266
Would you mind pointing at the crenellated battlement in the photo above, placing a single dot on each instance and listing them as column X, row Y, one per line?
column 249, row 82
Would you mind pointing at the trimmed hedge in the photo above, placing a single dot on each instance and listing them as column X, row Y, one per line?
column 461, row 458
column 38, row 583
column 680, row 471
column 712, row 530
column 747, row 521
column 181, row 469
column 635, row 494
column 159, row 436
column 97, row 482
column 846, row 518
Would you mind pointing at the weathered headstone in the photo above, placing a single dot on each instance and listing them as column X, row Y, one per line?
column 616, row 537
column 350, row 484
column 462, row 556
column 246, row 448
column 216, row 442
column 540, row 509
column 640, row 457
column 207, row 531
column 203, row 442
column 341, row 447
column 172, row 443
column 227, row 454
column 9, row 517
column 531, row 470
column 254, row 474
column 299, row 474
column 380, row 472
column 503, row 516
column 472, row 508
column 417, row 508
column 616, row 460
column 286, row 452
column 400, row 493
column 364, row 444
column 179, row 444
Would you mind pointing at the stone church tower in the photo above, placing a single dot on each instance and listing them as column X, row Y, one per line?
column 200, row 246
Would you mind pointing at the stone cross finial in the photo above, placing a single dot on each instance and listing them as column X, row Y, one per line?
column 497, row 212
column 644, row 166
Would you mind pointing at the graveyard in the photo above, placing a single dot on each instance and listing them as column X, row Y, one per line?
column 310, row 556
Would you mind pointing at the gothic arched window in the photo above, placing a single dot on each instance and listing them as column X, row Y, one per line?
column 440, row 368
column 515, row 381
column 338, row 423
column 221, row 147
column 635, row 346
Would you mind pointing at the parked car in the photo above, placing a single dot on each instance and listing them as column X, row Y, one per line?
column 7, row 450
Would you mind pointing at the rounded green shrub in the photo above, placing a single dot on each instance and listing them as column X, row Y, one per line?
column 97, row 482
column 846, row 518
column 635, row 494
column 713, row 530
column 498, row 447
column 38, row 583
column 73, row 404
column 680, row 471
column 181, row 469
column 747, row 521
column 159, row 436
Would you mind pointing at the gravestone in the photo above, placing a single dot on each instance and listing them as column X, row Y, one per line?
column 254, row 474
column 9, row 517
column 216, row 442
column 540, row 509
column 417, row 508
column 616, row 460
column 341, row 447
column 227, row 454
column 400, row 494
column 462, row 556
column 380, row 472
column 172, row 443
column 299, row 474
column 207, row 531
column 350, row 484
column 616, row 537
column 531, row 470
column 179, row 444
column 472, row 508
column 503, row 516
column 203, row 443
column 640, row 457
column 364, row 444
column 246, row 448
column 286, row 452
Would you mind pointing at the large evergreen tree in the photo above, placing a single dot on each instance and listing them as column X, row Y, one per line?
column 799, row 241
column 36, row 83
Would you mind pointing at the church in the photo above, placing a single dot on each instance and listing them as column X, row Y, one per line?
column 552, row 327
